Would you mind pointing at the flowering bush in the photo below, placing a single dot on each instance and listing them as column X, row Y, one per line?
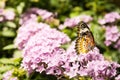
column 41, row 47
column 42, row 52
column 112, row 34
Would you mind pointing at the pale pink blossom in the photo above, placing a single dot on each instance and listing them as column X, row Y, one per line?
column 110, row 18
column 26, row 31
column 112, row 35
column 118, row 77
column 33, row 13
column 6, row 15
column 9, row 14
column 72, row 22
column 8, row 76
column 43, row 53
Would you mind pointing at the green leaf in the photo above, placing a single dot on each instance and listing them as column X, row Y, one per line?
column 1, row 76
column 17, row 54
column 6, row 61
column 54, row 2
column 11, row 24
column 98, row 33
column 8, row 47
column 76, row 11
column 20, row 73
column 20, row 7
column 11, row 61
column 5, row 68
column 17, row 61
column 65, row 46
column 8, row 33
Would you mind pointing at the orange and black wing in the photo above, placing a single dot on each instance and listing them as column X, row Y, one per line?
column 85, row 40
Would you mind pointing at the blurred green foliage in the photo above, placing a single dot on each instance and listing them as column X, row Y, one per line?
column 11, row 58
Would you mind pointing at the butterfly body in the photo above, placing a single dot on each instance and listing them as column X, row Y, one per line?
column 85, row 40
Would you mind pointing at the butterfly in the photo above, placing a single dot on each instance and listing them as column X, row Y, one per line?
column 85, row 40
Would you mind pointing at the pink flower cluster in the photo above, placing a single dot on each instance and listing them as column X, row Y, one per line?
column 112, row 35
column 33, row 13
column 8, row 76
column 41, row 47
column 91, row 64
column 110, row 18
column 71, row 22
column 26, row 31
column 6, row 14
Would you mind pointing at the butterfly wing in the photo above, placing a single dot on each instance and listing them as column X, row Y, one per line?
column 85, row 41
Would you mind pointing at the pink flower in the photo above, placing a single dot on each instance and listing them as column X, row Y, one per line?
column 109, row 18
column 111, row 35
column 26, row 31
column 6, row 14
column 76, row 64
column 107, row 42
column 55, row 70
column 101, row 70
column 44, row 14
column 8, row 76
column 86, row 18
column 26, row 18
column 9, row 14
column 118, row 77
column 33, row 13
column 61, row 27
column 1, row 11
column 72, row 70
column 43, row 53
column 72, row 22
column 102, row 21
column 91, row 64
